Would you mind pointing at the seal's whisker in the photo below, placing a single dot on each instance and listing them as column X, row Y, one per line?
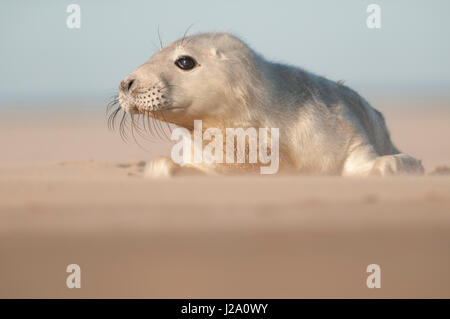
column 143, row 121
column 156, row 124
column 185, row 33
column 121, row 126
column 159, row 37
column 114, row 99
column 112, row 118
column 150, row 123
column 162, row 125
column 155, row 46
column 122, row 131
column 167, row 126
column 159, row 124
column 140, row 130
column 133, row 127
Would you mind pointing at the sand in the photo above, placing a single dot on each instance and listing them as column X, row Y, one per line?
column 71, row 192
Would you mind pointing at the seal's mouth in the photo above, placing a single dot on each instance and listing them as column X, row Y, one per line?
column 146, row 99
column 137, row 120
column 128, row 105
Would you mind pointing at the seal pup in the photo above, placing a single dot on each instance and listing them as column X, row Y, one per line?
column 325, row 127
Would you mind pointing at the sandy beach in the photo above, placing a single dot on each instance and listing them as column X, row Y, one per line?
column 72, row 192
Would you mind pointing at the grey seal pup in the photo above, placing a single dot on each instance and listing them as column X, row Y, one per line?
column 325, row 127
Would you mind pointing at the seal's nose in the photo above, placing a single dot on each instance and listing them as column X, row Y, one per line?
column 127, row 85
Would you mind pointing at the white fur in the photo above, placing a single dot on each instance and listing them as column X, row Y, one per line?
column 325, row 127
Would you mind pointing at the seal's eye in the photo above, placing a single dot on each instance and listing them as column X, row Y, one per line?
column 185, row 63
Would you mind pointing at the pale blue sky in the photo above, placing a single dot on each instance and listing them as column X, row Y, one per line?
column 42, row 59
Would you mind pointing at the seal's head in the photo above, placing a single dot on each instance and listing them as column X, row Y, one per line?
column 207, row 76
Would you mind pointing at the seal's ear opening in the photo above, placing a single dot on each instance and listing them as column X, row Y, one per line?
column 216, row 53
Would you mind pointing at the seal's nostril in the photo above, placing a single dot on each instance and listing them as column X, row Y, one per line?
column 126, row 85
column 130, row 84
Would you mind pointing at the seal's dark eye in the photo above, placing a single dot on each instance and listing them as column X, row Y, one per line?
column 185, row 63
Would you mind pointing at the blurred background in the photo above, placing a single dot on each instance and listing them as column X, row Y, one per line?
column 43, row 60
column 71, row 192
column 48, row 69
